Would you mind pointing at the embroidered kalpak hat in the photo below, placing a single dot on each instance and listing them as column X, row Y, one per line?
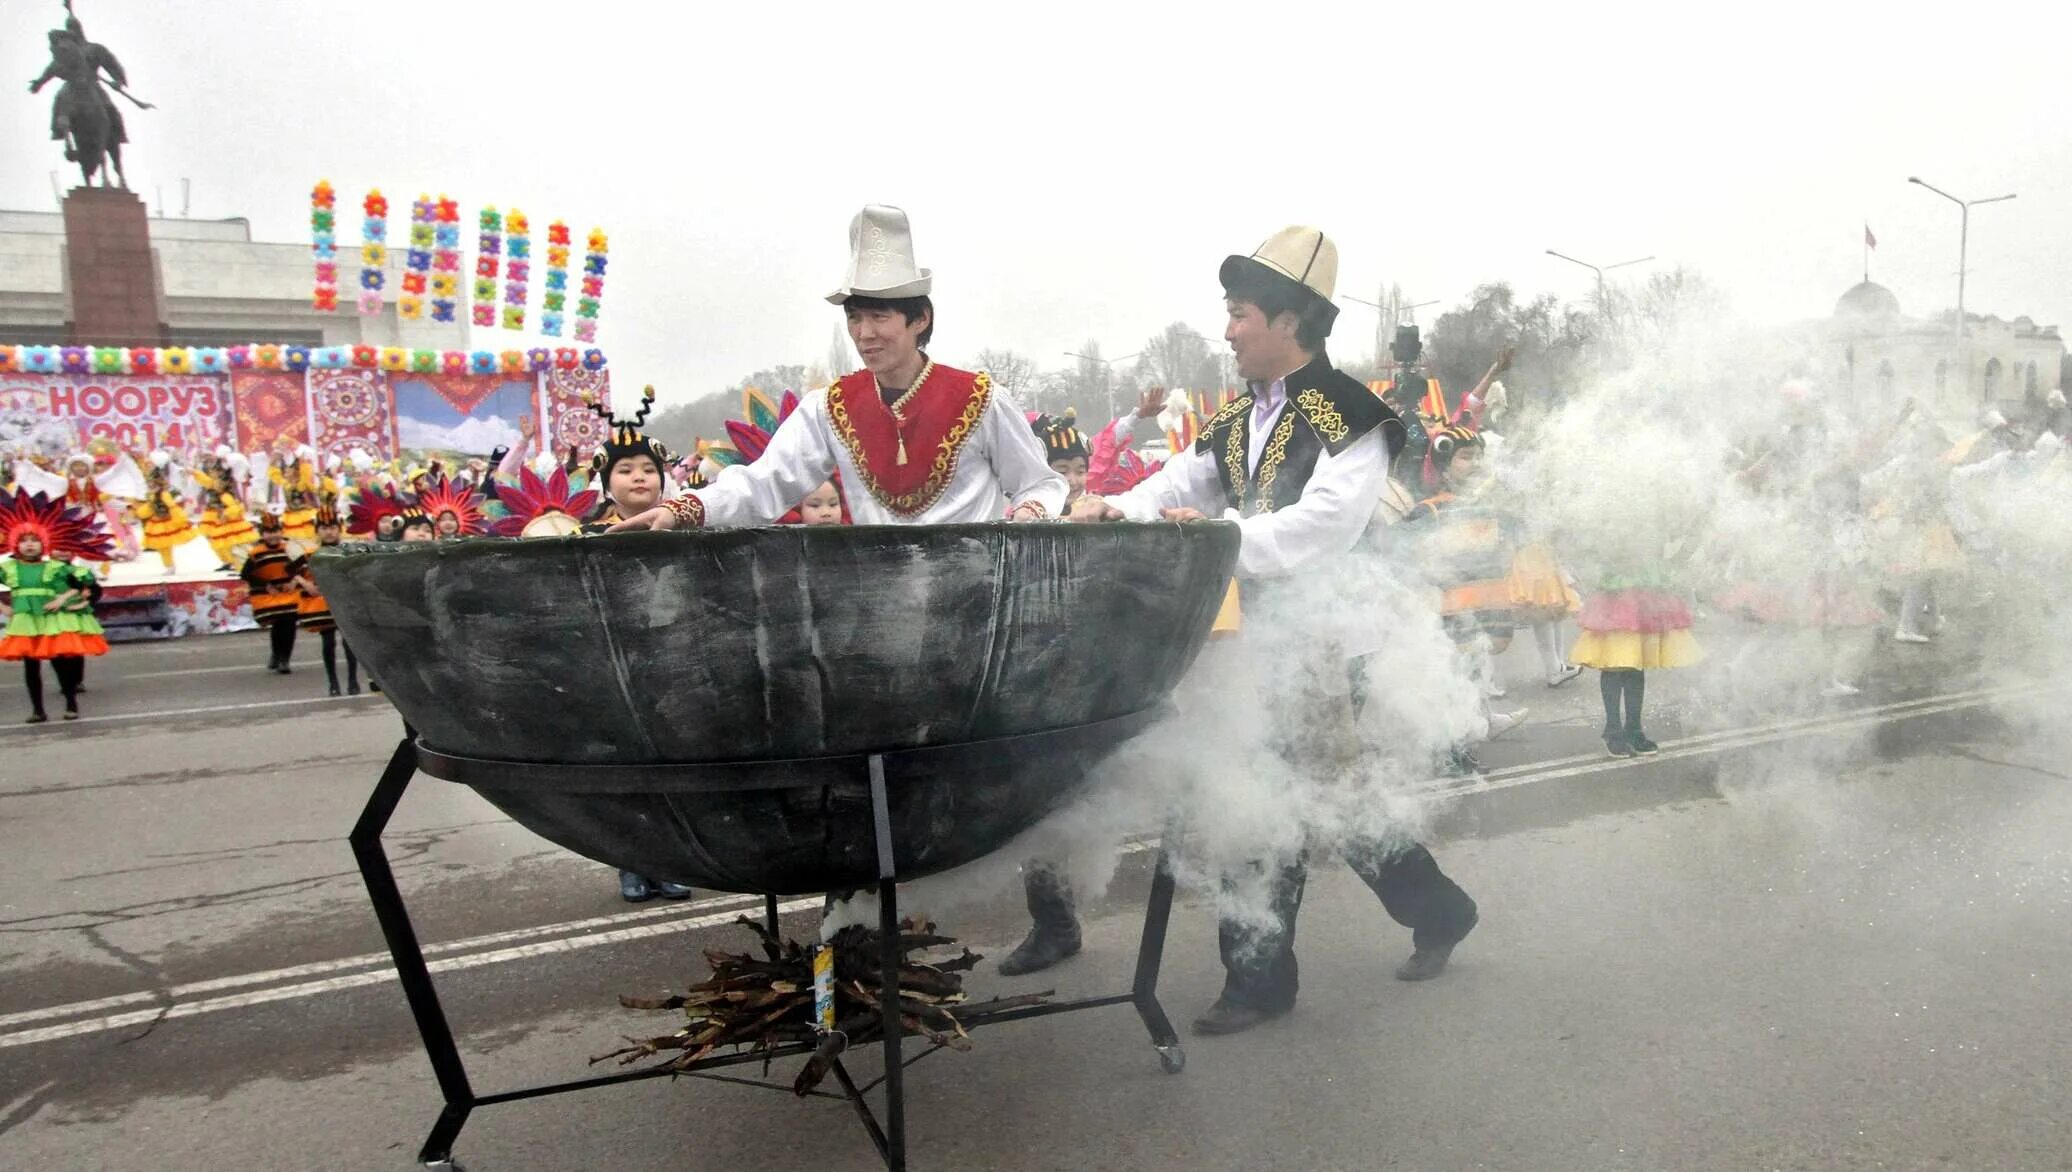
column 1298, row 254
column 881, row 258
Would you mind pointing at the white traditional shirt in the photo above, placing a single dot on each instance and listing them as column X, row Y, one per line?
column 993, row 467
column 1325, row 521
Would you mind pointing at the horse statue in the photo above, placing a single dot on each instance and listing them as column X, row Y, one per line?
column 84, row 117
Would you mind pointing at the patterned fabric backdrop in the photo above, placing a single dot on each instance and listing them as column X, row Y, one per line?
column 270, row 407
column 353, row 409
column 575, row 424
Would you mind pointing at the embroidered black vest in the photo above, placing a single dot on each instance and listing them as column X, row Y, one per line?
column 1327, row 411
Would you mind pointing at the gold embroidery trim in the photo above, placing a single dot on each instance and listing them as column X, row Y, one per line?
column 946, row 454
column 1234, row 459
column 1323, row 416
column 1271, row 459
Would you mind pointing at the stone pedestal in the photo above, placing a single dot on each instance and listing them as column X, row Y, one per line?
column 112, row 278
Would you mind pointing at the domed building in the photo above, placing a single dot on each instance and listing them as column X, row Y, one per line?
column 1875, row 357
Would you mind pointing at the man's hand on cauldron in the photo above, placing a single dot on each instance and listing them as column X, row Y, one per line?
column 655, row 518
column 1089, row 509
column 1183, row 514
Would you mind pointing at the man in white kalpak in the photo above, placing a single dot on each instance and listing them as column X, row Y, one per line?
column 914, row 442
column 1299, row 462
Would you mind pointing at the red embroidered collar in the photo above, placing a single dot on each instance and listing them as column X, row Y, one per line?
column 936, row 418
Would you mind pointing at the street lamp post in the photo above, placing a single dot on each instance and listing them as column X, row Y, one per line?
column 1604, row 307
column 1962, row 337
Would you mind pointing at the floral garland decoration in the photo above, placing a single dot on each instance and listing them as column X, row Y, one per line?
column 556, row 296
column 517, row 267
column 489, row 252
column 445, row 257
column 323, row 245
column 417, row 264
column 373, row 251
column 593, row 286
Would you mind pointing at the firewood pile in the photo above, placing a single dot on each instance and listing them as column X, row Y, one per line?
column 765, row 1003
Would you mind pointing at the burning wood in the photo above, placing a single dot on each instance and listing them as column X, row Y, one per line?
column 767, row 1003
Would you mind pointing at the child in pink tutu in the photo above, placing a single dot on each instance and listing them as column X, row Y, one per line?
column 1630, row 623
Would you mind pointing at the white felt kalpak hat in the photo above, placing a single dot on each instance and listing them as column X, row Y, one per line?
column 881, row 257
column 1298, row 253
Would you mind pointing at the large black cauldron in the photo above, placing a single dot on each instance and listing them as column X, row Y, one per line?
column 770, row 648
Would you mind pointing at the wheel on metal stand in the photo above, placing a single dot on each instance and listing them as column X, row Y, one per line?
column 1172, row 1059
column 449, row 1164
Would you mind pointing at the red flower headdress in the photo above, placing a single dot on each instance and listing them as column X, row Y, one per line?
column 369, row 507
column 438, row 496
column 532, row 499
column 66, row 532
column 1111, row 467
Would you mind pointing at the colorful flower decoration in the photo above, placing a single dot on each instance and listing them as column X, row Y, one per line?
column 539, row 358
column 482, row 362
column 566, row 359
column 448, row 211
column 423, row 236
column 210, row 360
column 240, row 357
column 586, row 329
column 533, row 497
column 374, row 252
column 557, row 233
column 323, row 246
column 594, row 264
column 295, row 358
column 175, row 360
column 418, row 259
column 446, row 260
column 414, row 283
column 75, row 359
column 395, row 358
column 424, row 361
column 557, row 280
column 410, row 306
column 517, row 270
column 143, row 360
column 485, row 266
column 330, row 357
column 445, row 285
column 511, row 361
column 485, row 289
column 557, row 256
column 550, row 323
column 446, row 236
column 40, row 359
column 111, row 360
column 454, row 362
column 442, row 310
column 266, row 356
column 593, row 287
column 586, row 307
column 593, row 360
column 365, row 356
column 556, row 301
column 10, row 359
column 598, row 243
column 483, row 314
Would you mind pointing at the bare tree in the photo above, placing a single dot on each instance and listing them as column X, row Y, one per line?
column 1176, row 356
column 840, row 358
column 1014, row 372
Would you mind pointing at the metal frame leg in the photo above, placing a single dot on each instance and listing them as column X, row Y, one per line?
column 888, row 994
column 1158, row 909
column 408, row 955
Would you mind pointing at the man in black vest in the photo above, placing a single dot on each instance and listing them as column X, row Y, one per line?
column 1299, row 462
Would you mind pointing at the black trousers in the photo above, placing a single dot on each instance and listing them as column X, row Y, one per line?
column 281, row 634
column 1259, row 968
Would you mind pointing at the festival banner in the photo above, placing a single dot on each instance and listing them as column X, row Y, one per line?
column 575, row 425
column 455, row 417
column 183, row 414
column 353, row 409
column 271, row 409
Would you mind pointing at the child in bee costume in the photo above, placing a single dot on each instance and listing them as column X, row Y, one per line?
column 270, row 570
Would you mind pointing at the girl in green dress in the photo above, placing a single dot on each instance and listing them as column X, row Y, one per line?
column 51, row 597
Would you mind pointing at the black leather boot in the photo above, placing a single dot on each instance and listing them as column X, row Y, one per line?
column 1055, row 933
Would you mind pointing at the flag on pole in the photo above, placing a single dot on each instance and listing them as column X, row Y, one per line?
column 1869, row 241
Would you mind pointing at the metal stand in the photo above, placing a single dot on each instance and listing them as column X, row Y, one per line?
column 890, row 1137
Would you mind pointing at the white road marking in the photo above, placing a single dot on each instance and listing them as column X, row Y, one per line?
column 253, row 668
column 576, row 935
column 162, row 714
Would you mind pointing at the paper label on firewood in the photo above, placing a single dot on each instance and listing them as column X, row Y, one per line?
column 1227, row 617
column 824, row 986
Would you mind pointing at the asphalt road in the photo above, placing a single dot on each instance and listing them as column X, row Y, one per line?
column 1812, row 935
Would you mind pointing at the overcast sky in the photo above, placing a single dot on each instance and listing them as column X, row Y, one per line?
column 1079, row 171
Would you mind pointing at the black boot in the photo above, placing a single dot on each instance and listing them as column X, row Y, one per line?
column 32, row 677
column 1055, row 933
column 330, row 649
column 352, row 672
